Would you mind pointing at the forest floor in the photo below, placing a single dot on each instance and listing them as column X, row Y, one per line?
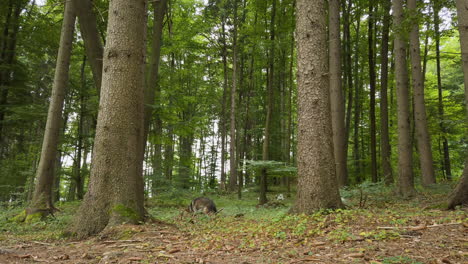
column 375, row 228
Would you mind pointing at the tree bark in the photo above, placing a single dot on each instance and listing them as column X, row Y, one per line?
column 357, row 103
column 405, row 167
column 336, row 94
column 317, row 183
column 266, row 138
column 446, row 161
column 232, row 144
column 91, row 39
column 115, row 193
column 422, row 132
column 384, row 134
column 460, row 195
column 42, row 198
column 153, row 92
column 372, row 84
column 222, row 121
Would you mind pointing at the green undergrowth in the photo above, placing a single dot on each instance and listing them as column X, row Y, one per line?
column 247, row 225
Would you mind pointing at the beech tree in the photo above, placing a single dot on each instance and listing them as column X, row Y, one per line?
column 115, row 193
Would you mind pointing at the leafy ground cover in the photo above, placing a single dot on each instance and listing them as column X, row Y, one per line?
column 374, row 228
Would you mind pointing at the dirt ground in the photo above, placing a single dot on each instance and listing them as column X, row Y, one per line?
column 164, row 243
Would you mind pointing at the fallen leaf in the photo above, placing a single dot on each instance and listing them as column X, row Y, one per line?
column 24, row 256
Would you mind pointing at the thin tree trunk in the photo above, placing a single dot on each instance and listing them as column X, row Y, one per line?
column 266, row 138
column 336, row 94
column 42, row 198
column 232, row 145
column 372, row 84
column 357, row 103
column 153, row 91
column 422, row 133
column 405, row 169
column 91, row 39
column 384, row 133
column 348, row 70
column 446, row 161
column 222, row 122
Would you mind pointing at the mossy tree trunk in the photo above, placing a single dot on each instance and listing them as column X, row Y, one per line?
column 115, row 193
column 317, row 186
column 42, row 202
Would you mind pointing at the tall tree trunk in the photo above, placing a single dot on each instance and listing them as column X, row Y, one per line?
column 357, row 103
column 422, row 133
column 459, row 196
column 336, row 94
column 372, row 84
column 91, row 39
column 266, row 138
column 317, row 183
column 443, row 129
column 153, row 92
column 232, row 145
column 384, row 133
column 115, row 193
column 222, row 120
column 42, row 198
column 348, row 75
column 405, row 164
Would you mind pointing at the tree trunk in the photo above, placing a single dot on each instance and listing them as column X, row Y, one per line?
column 232, row 145
column 460, row 195
column 336, row 94
column 405, row 164
column 153, row 92
column 422, row 133
column 443, row 129
column 357, row 103
column 384, row 133
column 266, row 138
column 91, row 39
column 317, row 183
column 372, row 84
column 222, row 120
column 42, row 198
column 115, row 193
column 348, row 75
